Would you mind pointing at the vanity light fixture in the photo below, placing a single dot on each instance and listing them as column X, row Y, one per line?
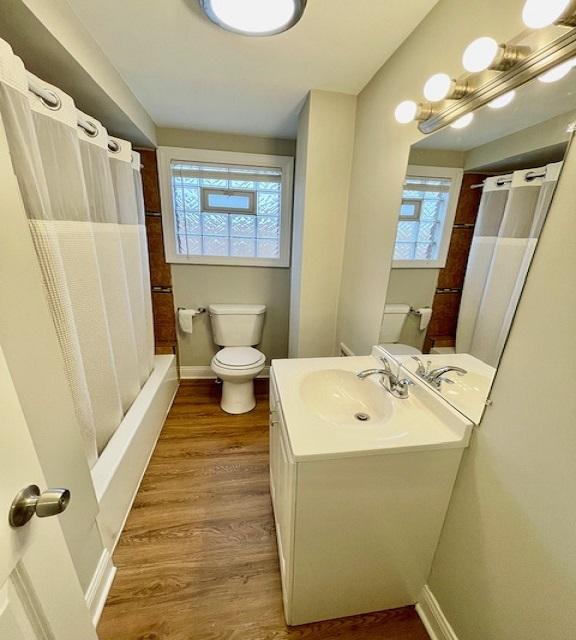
column 463, row 122
column 408, row 111
column 502, row 101
column 441, row 86
column 485, row 53
column 559, row 72
column 538, row 14
column 254, row 17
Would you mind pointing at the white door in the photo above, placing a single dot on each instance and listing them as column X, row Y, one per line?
column 40, row 596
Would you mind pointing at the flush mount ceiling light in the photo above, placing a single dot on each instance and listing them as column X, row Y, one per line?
column 254, row 17
column 538, row 14
column 485, row 53
column 559, row 72
column 502, row 101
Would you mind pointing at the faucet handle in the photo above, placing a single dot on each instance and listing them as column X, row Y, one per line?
column 386, row 363
column 421, row 370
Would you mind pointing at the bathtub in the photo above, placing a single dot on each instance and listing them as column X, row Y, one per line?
column 118, row 472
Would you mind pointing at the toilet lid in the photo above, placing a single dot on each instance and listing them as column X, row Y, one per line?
column 397, row 349
column 239, row 356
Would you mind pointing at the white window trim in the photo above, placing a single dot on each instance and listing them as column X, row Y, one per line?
column 455, row 176
column 166, row 155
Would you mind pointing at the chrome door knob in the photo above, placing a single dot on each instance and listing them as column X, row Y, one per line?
column 30, row 501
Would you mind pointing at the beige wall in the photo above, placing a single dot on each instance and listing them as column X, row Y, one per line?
column 200, row 285
column 506, row 563
column 55, row 46
column 323, row 164
column 382, row 147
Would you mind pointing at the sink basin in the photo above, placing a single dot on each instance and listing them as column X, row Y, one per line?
column 340, row 398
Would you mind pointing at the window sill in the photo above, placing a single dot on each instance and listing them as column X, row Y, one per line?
column 418, row 264
column 218, row 261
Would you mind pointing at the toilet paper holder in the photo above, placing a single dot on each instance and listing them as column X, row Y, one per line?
column 198, row 311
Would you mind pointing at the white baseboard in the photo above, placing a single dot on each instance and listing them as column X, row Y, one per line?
column 433, row 617
column 206, row 373
column 99, row 586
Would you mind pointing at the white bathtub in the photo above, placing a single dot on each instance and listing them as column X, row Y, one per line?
column 118, row 472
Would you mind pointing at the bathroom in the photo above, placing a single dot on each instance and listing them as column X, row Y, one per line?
column 287, row 319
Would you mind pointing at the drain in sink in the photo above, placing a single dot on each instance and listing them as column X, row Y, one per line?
column 363, row 417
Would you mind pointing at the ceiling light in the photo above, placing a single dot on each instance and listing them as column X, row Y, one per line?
column 254, row 17
column 558, row 72
column 538, row 14
column 463, row 122
column 485, row 53
column 438, row 87
column 502, row 101
column 406, row 112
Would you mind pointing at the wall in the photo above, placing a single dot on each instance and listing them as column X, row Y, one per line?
column 382, row 147
column 55, row 46
column 323, row 165
column 506, row 563
column 199, row 285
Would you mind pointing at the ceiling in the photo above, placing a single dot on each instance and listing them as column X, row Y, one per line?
column 188, row 73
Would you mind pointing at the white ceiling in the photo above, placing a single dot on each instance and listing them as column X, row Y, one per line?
column 189, row 73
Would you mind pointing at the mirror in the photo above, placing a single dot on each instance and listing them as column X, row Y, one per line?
column 474, row 204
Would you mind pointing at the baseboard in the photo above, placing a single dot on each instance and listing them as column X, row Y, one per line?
column 99, row 586
column 345, row 350
column 205, row 373
column 433, row 617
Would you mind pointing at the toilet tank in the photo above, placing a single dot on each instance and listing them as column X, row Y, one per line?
column 393, row 321
column 237, row 325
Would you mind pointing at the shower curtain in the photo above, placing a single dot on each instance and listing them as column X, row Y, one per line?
column 79, row 191
column 505, row 239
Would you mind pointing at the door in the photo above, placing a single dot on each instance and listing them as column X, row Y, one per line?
column 40, row 596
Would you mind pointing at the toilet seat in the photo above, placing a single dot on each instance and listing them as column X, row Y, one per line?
column 398, row 349
column 239, row 357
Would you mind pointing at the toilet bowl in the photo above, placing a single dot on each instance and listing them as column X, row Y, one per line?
column 237, row 328
column 237, row 367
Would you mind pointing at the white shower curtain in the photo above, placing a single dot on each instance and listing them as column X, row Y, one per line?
column 494, row 282
column 66, row 182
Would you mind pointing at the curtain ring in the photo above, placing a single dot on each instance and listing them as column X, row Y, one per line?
column 50, row 99
column 113, row 146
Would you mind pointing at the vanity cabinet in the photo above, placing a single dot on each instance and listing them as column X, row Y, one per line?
column 355, row 533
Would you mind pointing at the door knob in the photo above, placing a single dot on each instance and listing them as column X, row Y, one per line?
column 30, row 501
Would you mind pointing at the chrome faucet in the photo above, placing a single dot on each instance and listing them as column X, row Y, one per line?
column 396, row 386
column 434, row 376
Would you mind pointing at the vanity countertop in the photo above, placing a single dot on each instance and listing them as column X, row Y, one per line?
column 323, row 403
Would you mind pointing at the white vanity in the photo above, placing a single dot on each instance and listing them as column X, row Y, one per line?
column 360, row 483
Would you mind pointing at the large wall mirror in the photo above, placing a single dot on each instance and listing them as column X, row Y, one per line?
column 474, row 204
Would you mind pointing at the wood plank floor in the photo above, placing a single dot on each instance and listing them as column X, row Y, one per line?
column 197, row 559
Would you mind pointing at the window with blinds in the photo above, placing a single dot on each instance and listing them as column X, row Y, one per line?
column 427, row 212
column 228, row 211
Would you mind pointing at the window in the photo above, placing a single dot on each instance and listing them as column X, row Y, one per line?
column 226, row 208
column 427, row 213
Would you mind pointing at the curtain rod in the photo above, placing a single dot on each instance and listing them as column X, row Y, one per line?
column 531, row 175
column 52, row 101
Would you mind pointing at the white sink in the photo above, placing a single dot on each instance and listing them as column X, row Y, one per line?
column 322, row 399
column 340, row 398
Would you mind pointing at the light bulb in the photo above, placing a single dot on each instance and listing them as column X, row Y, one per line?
column 480, row 54
column 538, row 14
column 558, row 72
column 254, row 17
column 502, row 101
column 438, row 87
column 463, row 122
column 406, row 112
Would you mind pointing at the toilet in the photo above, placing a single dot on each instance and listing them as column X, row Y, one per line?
column 394, row 317
column 237, row 328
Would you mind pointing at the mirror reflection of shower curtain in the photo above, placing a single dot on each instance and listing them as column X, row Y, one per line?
column 69, row 198
column 496, row 298
column 490, row 214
